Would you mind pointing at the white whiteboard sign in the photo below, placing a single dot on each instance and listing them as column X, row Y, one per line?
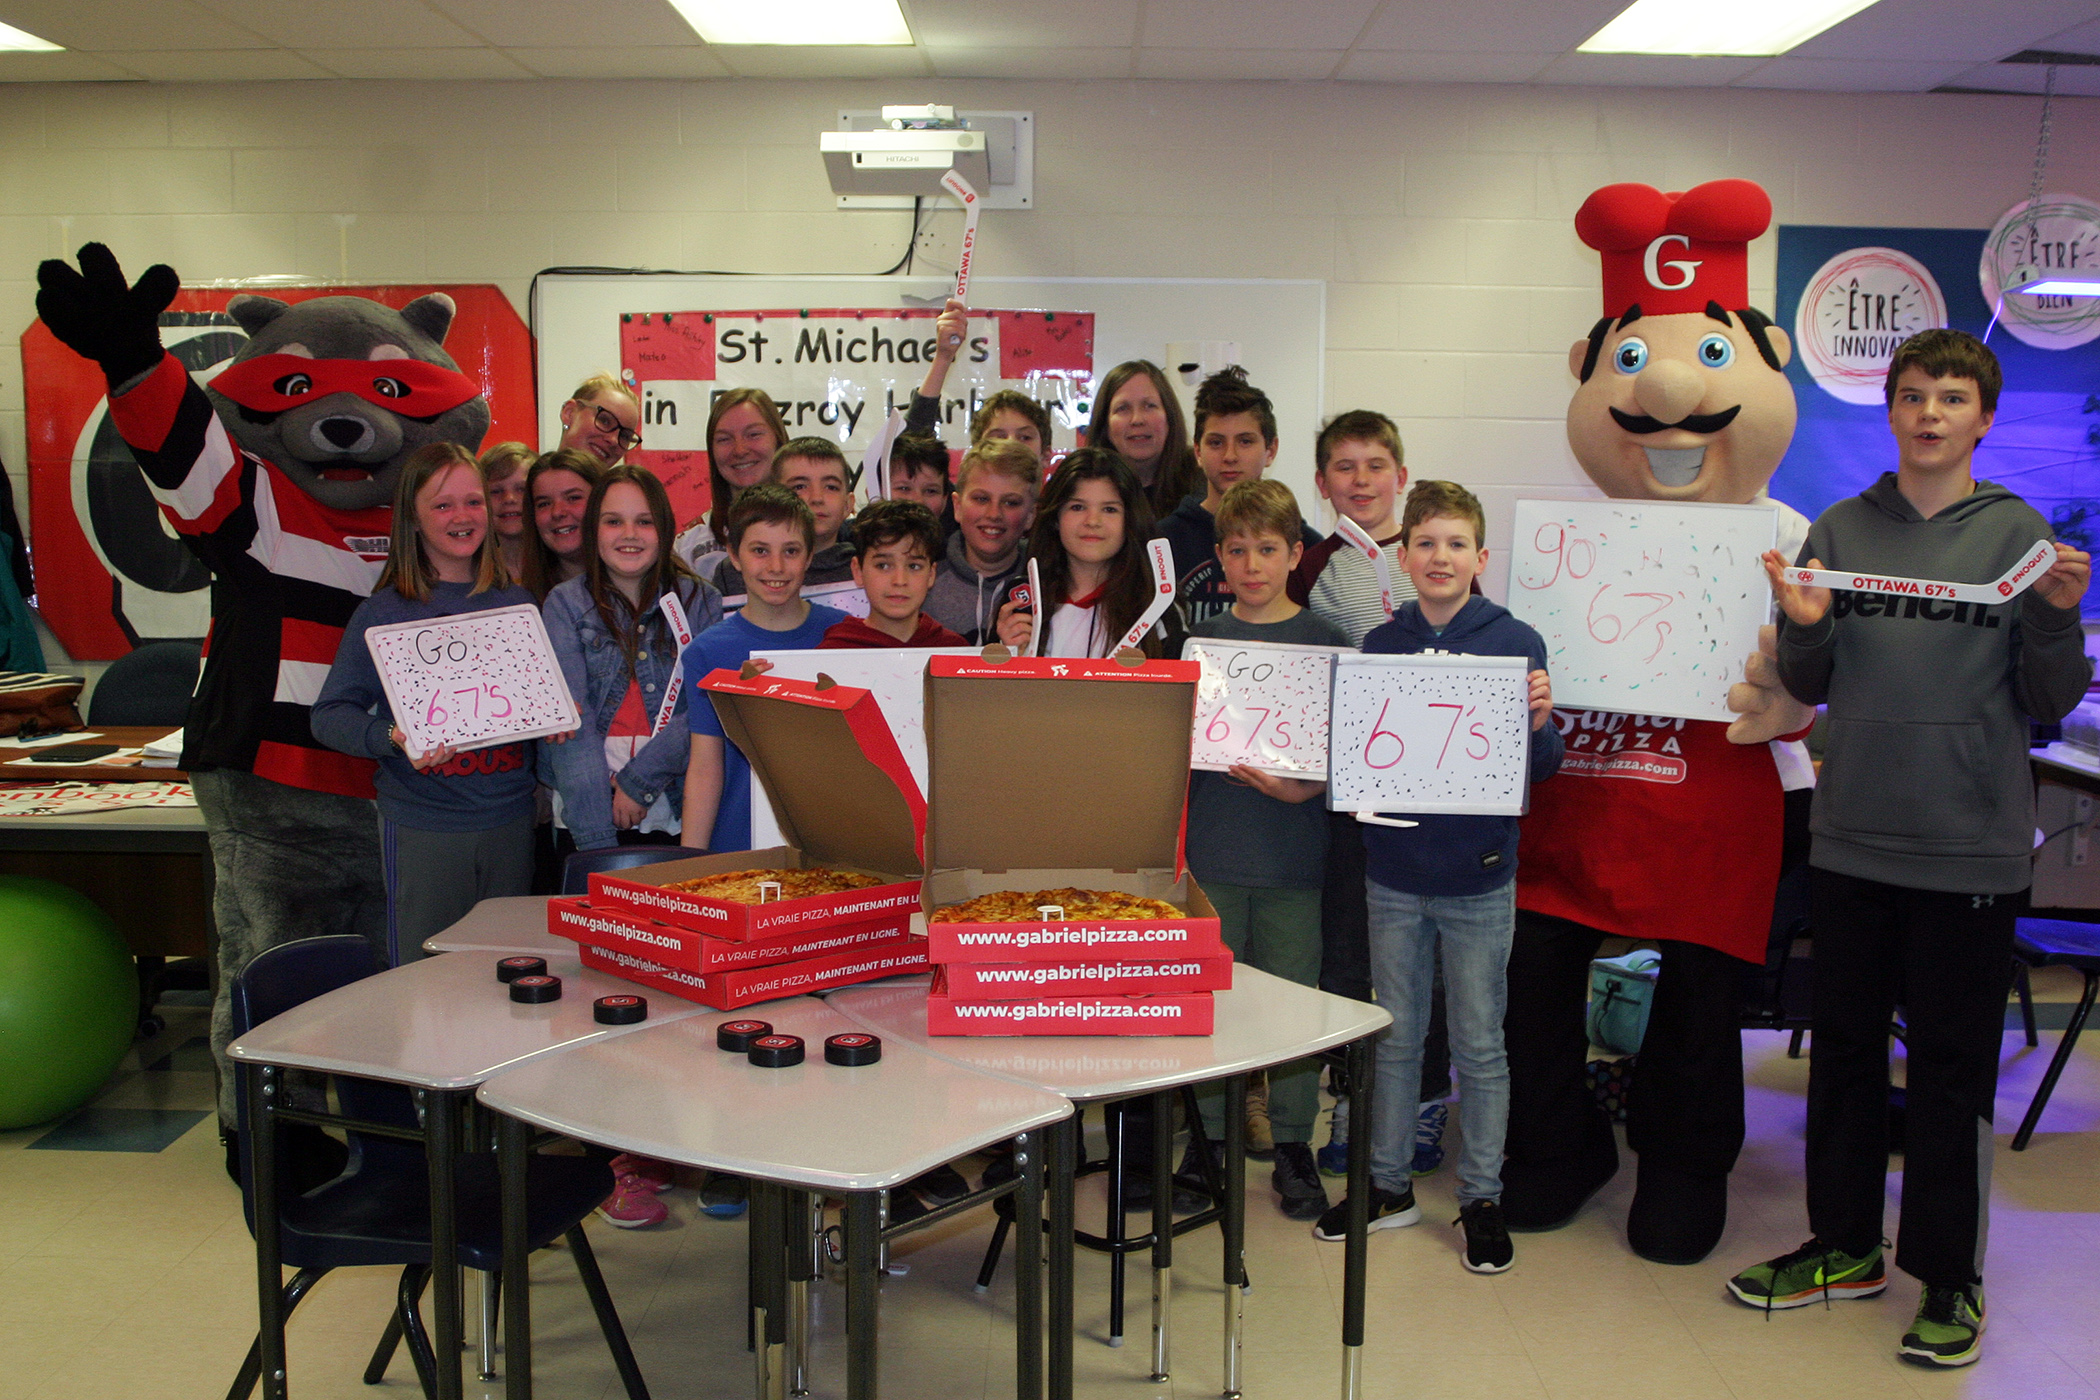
column 1261, row 704
column 473, row 679
column 896, row 677
column 1646, row 607
column 1430, row 734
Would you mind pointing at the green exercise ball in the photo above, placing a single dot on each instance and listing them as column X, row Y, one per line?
column 69, row 997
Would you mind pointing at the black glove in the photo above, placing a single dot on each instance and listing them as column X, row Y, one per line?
column 97, row 316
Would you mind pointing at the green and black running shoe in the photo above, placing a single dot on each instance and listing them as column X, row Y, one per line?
column 1948, row 1330
column 1814, row 1272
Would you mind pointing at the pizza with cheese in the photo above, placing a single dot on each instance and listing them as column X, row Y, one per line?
column 741, row 886
column 1025, row 907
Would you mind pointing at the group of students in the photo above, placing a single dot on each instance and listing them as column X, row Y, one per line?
column 1421, row 917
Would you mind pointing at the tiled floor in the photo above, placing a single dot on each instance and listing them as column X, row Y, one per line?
column 128, row 1273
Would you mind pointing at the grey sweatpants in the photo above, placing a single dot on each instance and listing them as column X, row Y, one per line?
column 288, row 864
column 434, row 877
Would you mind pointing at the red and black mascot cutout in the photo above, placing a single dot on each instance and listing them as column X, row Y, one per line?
column 279, row 475
column 1662, row 829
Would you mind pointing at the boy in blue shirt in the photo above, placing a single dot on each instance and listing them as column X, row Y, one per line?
column 772, row 536
column 1256, row 840
column 1448, row 883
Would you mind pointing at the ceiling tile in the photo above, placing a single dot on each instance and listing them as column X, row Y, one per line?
column 1383, row 67
column 2078, row 81
column 372, row 24
column 1076, row 64
column 1645, row 70
column 58, row 68
column 822, row 61
column 560, row 24
column 218, row 65
column 426, row 64
column 1945, row 29
column 656, row 61
column 1068, row 24
column 1509, row 26
column 1224, row 65
column 2080, row 38
column 1850, row 75
column 1253, row 24
column 86, row 24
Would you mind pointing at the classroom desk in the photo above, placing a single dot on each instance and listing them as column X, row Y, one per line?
column 504, row 925
column 124, row 736
column 148, row 868
column 669, row 1093
column 439, row 1025
column 1262, row 1021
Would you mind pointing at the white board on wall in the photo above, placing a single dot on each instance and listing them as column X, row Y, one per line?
column 1646, row 607
column 1281, row 328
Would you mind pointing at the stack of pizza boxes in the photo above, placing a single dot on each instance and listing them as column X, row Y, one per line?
column 1053, row 773
column 845, row 800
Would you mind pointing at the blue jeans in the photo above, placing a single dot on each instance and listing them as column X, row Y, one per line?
column 1473, row 932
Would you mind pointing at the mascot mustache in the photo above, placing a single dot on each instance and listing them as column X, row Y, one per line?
column 1694, row 423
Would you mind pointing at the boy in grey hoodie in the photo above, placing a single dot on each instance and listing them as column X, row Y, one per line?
column 995, row 490
column 1924, row 827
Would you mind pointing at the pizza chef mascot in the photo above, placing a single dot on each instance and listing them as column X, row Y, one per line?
column 279, row 474
column 1660, row 829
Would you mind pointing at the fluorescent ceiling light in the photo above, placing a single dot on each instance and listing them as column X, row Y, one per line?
column 1704, row 27
column 14, row 40
column 833, row 22
column 2057, row 284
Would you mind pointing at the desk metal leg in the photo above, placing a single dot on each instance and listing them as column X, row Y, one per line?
column 1232, row 1225
column 513, row 1146
column 1162, row 1229
column 804, row 1223
column 491, row 1294
column 441, row 1146
column 262, row 1084
column 1115, row 1225
column 1028, row 1268
column 863, row 1292
column 768, row 1316
column 1063, row 1148
column 1356, row 1260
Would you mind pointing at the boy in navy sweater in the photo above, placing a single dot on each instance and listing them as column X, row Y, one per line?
column 1448, row 883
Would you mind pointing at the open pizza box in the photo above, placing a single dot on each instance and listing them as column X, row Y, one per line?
column 843, row 796
column 623, row 931
column 1051, row 772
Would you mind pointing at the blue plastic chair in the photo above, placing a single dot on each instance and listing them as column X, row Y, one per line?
column 378, row 1211
column 577, row 870
column 2054, row 943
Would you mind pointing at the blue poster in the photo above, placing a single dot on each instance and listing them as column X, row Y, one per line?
column 1869, row 288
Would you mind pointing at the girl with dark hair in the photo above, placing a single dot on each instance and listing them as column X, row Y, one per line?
column 620, row 783
column 1090, row 533
column 744, row 431
column 455, row 828
column 557, row 488
column 1137, row 416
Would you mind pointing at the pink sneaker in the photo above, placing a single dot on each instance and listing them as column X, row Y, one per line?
column 633, row 1205
column 649, row 1173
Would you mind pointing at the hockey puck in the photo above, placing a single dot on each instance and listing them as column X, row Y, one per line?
column 776, row 1051
column 511, row 969
column 852, row 1048
column 736, row 1036
column 620, row 1010
column 535, row 988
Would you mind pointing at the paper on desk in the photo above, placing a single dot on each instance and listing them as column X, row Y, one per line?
column 41, row 741
column 80, row 799
column 164, row 752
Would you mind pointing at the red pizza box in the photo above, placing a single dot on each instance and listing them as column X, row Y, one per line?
column 1184, row 1013
column 622, row 931
column 1096, row 799
column 726, row 991
column 844, row 797
column 1077, row 977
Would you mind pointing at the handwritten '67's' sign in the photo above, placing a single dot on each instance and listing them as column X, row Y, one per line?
column 1430, row 734
column 1261, row 704
column 473, row 679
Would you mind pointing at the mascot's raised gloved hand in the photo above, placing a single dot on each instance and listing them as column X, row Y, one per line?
column 1767, row 710
column 99, row 316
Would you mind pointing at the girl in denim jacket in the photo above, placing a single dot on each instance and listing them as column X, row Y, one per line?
column 621, row 780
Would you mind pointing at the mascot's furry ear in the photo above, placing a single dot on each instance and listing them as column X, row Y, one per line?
column 431, row 315
column 252, row 313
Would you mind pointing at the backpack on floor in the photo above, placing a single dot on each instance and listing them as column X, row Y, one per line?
column 1621, row 991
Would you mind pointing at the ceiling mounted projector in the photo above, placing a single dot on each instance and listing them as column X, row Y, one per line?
column 907, row 156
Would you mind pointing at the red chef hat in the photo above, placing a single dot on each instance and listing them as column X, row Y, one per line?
column 1673, row 253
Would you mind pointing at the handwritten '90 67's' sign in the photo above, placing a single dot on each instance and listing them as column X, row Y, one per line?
column 473, row 679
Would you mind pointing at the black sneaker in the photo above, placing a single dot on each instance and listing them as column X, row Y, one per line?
column 941, row 1185
column 1297, row 1182
column 1488, row 1250
column 1389, row 1211
column 1137, row 1190
column 1189, row 1175
column 723, row 1196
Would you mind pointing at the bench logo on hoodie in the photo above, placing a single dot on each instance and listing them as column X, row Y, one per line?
column 1847, row 603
